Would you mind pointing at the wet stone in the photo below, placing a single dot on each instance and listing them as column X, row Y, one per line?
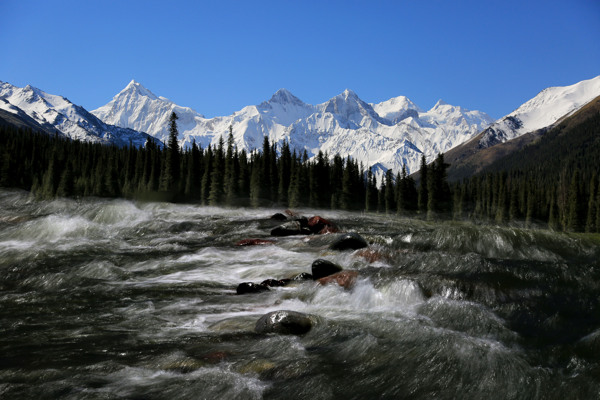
column 284, row 322
column 279, row 217
column 250, row 287
column 289, row 229
column 304, row 276
column 322, row 268
column 275, row 282
column 345, row 279
column 349, row 241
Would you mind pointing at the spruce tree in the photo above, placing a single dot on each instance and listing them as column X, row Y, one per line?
column 590, row 225
column 285, row 171
column 171, row 174
column 389, row 194
column 574, row 223
column 423, row 193
column 215, row 196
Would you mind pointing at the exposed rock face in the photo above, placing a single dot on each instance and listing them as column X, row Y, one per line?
column 321, row 268
column 284, row 322
column 345, row 279
column 349, row 241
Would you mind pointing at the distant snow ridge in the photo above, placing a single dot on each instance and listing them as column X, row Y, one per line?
column 57, row 114
column 543, row 110
column 389, row 134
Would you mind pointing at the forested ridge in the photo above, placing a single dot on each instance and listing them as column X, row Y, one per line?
column 564, row 196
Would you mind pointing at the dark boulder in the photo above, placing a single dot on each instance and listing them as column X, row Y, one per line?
column 279, row 217
column 349, row 241
column 254, row 242
column 322, row 268
column 289, row 229
column 275, row 282
column 345, row 279
column 250, row 287
column 284, row 322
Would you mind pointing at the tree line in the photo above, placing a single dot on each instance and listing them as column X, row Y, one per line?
column 222, row 175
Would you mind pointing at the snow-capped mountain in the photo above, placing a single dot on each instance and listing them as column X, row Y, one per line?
column 542, row 111
column 389, row 134
column 57, row 114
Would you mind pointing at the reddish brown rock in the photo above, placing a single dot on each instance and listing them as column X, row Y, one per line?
column 254, row 242
column 345, row 279
column 318, row 224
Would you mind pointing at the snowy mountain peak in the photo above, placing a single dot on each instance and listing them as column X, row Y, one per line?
column 545, row 109
column 439, row 104
column 137, row 88
column 393, row 133
column 347, row 93
column 397, row 109
column 56, row 113
column 284, row 96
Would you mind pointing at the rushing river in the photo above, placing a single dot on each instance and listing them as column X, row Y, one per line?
column 103, row 299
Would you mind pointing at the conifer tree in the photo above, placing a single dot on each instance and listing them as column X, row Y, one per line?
column 66, row 187
column 285, row 170
column 206, row 176
column 574, row 223
column 215, row 196
column 590, row 225
column 389, row 198
column 171, row 174
column 230, row 178
column 371, row 192
column 423, row 193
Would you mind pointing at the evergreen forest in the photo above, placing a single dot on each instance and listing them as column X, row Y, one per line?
column 543, row 191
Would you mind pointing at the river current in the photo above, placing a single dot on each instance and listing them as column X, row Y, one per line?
column 103, row 299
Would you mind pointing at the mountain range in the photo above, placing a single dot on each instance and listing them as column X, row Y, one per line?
column 385, row 135
column 520, row 128
column 38, row 110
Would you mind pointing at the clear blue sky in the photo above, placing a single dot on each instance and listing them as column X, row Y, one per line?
column 218, row 56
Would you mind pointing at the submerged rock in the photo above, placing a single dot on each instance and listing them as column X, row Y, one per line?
column 321, row 268
column 250, row 287
column 289, row 229
column 284, row 322
column 304, row 276
column 349, row 241
column 345, row 279
column 254, row 242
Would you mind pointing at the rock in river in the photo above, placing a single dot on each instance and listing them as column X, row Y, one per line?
column 250, row 287
column 349, row 241
column 345, row 279
column 322, row 268
column 289, row 229
column 284, row 322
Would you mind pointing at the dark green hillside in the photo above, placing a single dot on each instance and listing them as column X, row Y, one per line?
column 553, row 179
